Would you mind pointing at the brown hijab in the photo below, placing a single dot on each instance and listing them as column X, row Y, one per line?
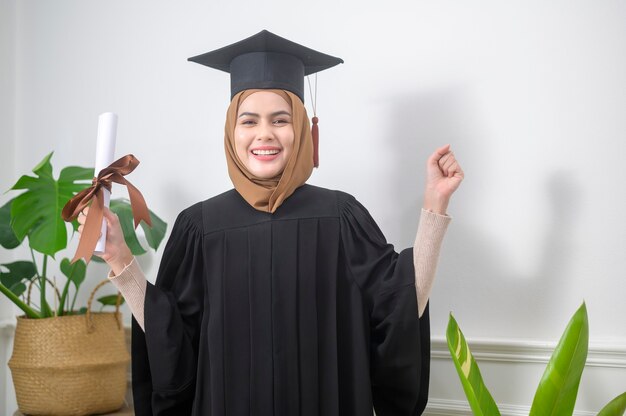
column 268, row 194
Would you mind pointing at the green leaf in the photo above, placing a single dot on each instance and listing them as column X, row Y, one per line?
column 44, row 168
column 156, row 233
column 8, row 239
column 478, row 395
column 72, row 174
column 18, row 271
column 36, row 213
column 110, row 300
column 616, row 407
column 18, row 289
column 72, row 180
column 124, row 212
column 30, row 312
column 558, row 388
column 75, row 272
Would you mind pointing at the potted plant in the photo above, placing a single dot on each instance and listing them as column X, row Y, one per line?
column 558, row 388
column 65, row 360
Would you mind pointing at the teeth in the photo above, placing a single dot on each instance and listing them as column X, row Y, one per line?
column 265, row 152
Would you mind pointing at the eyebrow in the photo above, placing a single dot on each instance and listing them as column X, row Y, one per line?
column 277, row 113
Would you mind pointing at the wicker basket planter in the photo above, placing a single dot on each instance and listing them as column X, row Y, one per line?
column 70, row 365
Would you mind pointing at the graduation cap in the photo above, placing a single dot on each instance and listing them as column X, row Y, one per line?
column 266, row 60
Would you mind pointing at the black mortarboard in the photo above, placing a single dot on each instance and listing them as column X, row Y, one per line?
column 266, row 60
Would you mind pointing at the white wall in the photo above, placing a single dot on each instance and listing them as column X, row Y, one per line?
column 531, row 95
column 7, row 171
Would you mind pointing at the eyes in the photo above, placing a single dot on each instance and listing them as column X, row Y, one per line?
column 253, row 121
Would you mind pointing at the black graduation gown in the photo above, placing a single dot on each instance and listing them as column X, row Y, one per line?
column 307, row 311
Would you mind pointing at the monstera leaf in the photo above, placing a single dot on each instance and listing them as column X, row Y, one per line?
column 154, row 235
column 75, row 273
column 8, row 239
column 17, row 273
column 36, row 213
column 478, row 396
column 13, row 283
column 558, row 388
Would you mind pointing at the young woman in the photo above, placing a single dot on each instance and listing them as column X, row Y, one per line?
column 278, row 297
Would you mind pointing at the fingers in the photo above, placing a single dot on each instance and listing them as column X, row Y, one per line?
column 447, row 163
column 82, row 216
column 438, row 154
column 110, row 216
column 452, row 168
column 455, row 170
column 80, row 231
column 443, row 149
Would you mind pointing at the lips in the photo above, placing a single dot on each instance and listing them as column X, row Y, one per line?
column 265, row 153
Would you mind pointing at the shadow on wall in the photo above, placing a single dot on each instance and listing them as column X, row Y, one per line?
column 474, row 274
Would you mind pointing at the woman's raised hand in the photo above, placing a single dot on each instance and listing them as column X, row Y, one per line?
column 443, row 177
column 116, row 252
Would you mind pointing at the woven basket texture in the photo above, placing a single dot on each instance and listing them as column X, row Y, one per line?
column 63, row 366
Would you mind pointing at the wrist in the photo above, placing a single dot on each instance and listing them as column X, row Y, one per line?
column 119, row 262
column 436, row 204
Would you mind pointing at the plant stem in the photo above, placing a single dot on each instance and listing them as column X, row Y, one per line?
column 61, row 312
column 32, row 255
column 31, row 313
column 74, row 299
column 37, row 279
column 45, row 308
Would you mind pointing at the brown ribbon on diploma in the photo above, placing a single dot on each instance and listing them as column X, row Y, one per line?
column 115, row 172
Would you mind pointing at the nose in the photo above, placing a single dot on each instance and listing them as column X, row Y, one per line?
column 265, row 131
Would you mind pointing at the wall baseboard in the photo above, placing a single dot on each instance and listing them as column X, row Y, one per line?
column 442, row 407
column 521, row 351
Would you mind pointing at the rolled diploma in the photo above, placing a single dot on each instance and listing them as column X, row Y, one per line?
column 105, row 151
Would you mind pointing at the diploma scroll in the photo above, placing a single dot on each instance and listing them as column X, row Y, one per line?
column 105, row 151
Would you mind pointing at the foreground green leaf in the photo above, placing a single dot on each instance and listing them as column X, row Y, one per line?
column 12, row 284
column 17, row 273
column 8, row 239
column 125, row 215
column 75, row 273
column 154, row 235
column 616, row 407
column 558, row 388
column 110, row 300
column 478, row 395
column 36, row 213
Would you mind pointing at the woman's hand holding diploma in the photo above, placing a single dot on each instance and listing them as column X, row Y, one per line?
column 443, row 177
column 116, row 252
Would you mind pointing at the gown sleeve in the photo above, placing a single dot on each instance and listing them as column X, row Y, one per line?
column 164, row 358
column 399, row 338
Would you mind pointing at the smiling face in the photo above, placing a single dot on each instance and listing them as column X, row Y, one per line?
column 264, row 134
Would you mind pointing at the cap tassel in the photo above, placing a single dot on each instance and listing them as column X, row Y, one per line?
column 315, row 134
